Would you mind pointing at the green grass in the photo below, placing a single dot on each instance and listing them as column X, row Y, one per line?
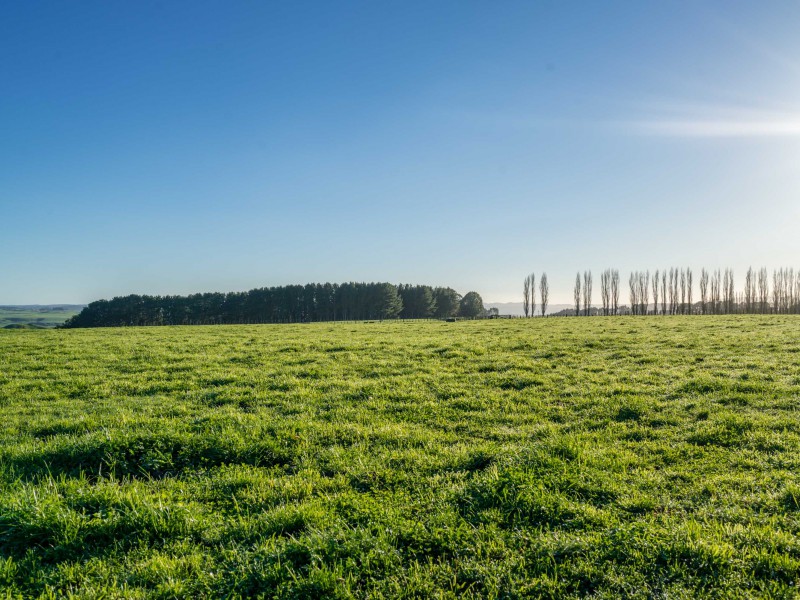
column 554, row 458
column 20, row 317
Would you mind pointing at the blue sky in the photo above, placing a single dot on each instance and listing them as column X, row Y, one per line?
column 174, row 147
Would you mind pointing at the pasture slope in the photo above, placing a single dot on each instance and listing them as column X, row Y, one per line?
column 548, row 458
column 36, row 316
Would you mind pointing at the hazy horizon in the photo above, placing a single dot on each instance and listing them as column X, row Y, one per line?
column 184, row 147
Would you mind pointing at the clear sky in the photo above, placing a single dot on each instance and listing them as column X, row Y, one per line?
column 174, row 147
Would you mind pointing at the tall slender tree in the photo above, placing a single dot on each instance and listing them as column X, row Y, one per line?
column 703, row 291
column 615, row 291
column 682, row 309
column 655, row 292
column 576, row 294
column 727, row 291
column 644, row 292
column 779, row 290
column 672, row 291
column 633, row 293
column 544, row 292
column 526, row 295
column 749, row 290
column 796, row 305
column 689, row 303
column 587, row 292
column 716, row 284
column 763, row 290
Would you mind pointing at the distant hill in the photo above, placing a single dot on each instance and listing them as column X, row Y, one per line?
column 36, row 316
column 515, row 308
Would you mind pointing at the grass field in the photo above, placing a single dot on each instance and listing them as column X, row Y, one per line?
column 29, row 317
column 555, row 458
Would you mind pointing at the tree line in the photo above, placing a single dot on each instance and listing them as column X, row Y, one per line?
column 283, row 304
column 672, row 292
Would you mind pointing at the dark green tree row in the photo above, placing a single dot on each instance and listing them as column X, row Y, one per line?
column 285, row 304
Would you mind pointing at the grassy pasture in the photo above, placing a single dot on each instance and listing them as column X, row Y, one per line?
column 23, row 317
column 554, row 458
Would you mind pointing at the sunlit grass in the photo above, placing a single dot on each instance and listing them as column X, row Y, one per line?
column 620, row 457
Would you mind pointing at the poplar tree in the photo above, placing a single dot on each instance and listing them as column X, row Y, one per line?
column 526, row 295
column 615, row 291
column 587, row 292
column 703, row 291
column 544, row 290
column 655, row 292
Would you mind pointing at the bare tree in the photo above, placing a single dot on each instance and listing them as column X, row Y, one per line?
column 655, row 293
column 639, row 284
column 689, row 304
column 749, row 290
column 716, row 280
column 763, row 290
column 526, row 296
column 797, row 292
column 615, row 291
column 703, row 291
column 633, row 284
column 683, row 292
column 787, row 281
column 533, row 295
column 587, row 292
column 725, row 286
column 669, row 291
column 605, row 290
column 544, row 291
column 777, row 287
column 728, row 291
column 664, row 291
column 673, row 290
column 731, row 292
column 644, row 292
column 784, row 291
column 576, row 294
